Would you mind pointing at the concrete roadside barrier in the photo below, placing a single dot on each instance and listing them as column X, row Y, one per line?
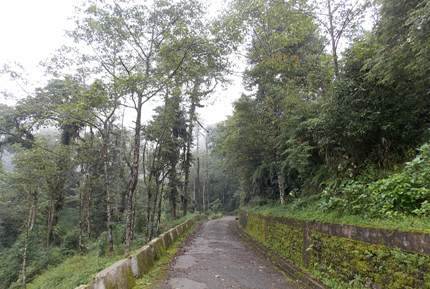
column 167, row 239
column 142, row 261
column 158, row 245
column 123, row 273
column 118, row 275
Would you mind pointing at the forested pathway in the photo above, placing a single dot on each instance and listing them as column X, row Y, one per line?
column 216, row 259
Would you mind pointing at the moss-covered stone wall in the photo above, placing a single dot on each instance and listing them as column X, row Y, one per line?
column 341, row 257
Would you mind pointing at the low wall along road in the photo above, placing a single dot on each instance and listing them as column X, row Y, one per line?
column 124, row 273
column 377, row 258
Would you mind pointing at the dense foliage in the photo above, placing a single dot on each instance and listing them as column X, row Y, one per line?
column 80, row 180
column 404, row 192
column 302, row 130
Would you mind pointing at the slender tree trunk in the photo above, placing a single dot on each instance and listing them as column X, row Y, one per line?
column 333, row 40
column 187, row 166
column 189, row 142
column 207, row 172
column 160, row 201
column 198, row 191
column 151, row 194
column 133, row 224
column 88, row 192
column 133, row 177
column 24, row 260
column 34, row 199
column 85, row 216
column 173, row 191
column 50, row 225
column 82, row 208
column 151, row 219
column 204, row 201
column 105, row 156
column 148, row 190
column 88, row 212
column 149, row 210
column 281, row 185
column 56, row 192
column 31, row 219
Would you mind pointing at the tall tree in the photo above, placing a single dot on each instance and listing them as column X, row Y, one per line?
column 34, row 167
column 341, row 20
column 144, row 30
column 285, row 66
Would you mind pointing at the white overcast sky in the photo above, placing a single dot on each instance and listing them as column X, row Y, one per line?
column 31, row 31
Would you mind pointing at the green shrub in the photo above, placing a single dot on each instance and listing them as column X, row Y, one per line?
column 404, row 193
column 71, row 242
column 102, row 244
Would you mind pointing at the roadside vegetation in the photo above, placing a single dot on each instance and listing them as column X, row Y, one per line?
column 86, row 175
column 333, row 125
column 340, row 138
column 84, row 267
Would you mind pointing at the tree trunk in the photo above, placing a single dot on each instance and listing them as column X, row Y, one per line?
column 151, row 220
column 50, row 225
column 105, row 157
column 133, row 177
column 333, row 40
column 24, row 260
column 31, row 219
column 160, row 201
column 207, row 172
column 33, row 210
column 151, row 195
column 173, row 191
column 187, row 152
column 82, row 198
column 187, row 166
column 88, row 212
column 198, row 191
column 56, row 193
column 281, row 185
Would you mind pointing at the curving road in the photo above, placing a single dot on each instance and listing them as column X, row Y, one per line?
column 216, row 259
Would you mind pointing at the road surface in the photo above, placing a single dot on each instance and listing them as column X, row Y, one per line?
column 215, row 258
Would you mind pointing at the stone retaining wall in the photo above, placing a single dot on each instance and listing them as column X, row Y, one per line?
column 124, row 273
column 374, row 258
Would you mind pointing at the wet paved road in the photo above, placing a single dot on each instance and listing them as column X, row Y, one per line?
column 216, row 259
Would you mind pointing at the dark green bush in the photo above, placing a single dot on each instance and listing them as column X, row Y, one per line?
column 406, row 192
column 71, row 241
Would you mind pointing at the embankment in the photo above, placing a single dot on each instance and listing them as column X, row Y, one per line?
column 356, row 257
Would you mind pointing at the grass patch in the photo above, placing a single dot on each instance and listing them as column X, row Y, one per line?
column 79, row 269
column 215, row 215
column 310, row 211
column 159, row 271
column 74, row 271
